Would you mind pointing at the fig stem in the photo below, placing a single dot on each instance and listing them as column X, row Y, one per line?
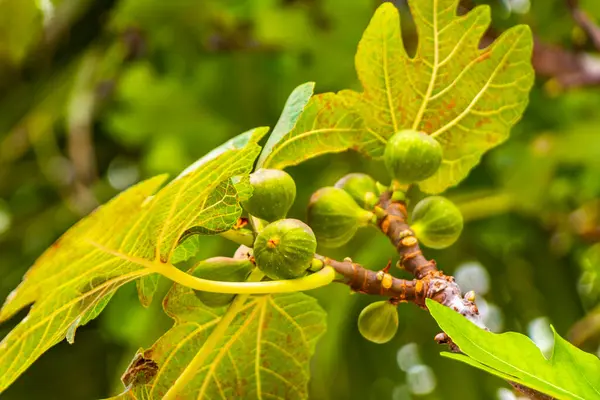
column 370, row 200
column 239, row 236
column 257, row 224
column 396, row 186
column 381, row 188
column 321, row 278
column 399, row 196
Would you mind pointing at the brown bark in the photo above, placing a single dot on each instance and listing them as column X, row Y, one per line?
column 366, row 281
column 429, row 283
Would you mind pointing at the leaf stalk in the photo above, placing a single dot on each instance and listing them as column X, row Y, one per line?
column 322, row 278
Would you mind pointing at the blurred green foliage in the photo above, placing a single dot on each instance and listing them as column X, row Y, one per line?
column 96, row 95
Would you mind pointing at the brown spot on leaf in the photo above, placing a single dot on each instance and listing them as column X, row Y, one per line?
column 483, row 121
column 141, row 371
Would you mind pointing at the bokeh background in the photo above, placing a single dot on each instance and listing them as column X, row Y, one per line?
column 96, row 95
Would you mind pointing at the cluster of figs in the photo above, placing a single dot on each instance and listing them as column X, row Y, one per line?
column 284, row 248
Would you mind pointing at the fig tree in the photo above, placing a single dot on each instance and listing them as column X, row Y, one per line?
column 361, row 187
column 284, row 249
column 221, row 269
column 378, row 322
column 335, row 217
column 273, row 195
column 412, row 156
column 436, row 222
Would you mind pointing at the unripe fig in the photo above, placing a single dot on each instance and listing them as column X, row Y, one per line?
column 335, row 217
column 361, row 187
column 243, row 252
column 221, row 269
column 284, row 249
column 412, row 156
column 273, row 195
column 436, row 222
column 378, row 322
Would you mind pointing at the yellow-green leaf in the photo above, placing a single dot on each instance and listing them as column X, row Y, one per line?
column 569, row 374
column 466, row 97
column 262, row 350
column 294, row 106
column 120, row 242
column 328, row 123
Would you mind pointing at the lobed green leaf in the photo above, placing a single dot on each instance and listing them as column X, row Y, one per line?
column 312, row 126
column 292, row 110
column 569, row 374
column 262, row 351
column 466, row 97
column 120, row 242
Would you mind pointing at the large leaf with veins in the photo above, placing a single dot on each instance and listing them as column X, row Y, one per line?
column 569, row 373
column 467, row 98
column 122, row 241
column 262, row 352
column 317, row 125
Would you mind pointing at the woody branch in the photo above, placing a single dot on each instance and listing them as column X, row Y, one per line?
column 429, row 283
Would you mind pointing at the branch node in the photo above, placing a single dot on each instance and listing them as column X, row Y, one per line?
column 408, row 256
column 409, row 241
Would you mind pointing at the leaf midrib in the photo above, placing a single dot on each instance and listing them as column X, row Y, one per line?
column 225, row 348
column 386, row 78
column 259, row 330
column 306, row 134
column 434, row 71
column 182, row 342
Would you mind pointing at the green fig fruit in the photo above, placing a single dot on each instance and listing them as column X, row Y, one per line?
column 361, row 187
column 412, row 156
column 335, row 217
column 243, row 252
column 221, row 269
column 378, row 322
column 284, row 249
column 436, row 222
column 273, row 194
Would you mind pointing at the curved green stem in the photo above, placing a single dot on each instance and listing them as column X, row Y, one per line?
column 313, row 281
column 239, row 236
column 258, row 224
